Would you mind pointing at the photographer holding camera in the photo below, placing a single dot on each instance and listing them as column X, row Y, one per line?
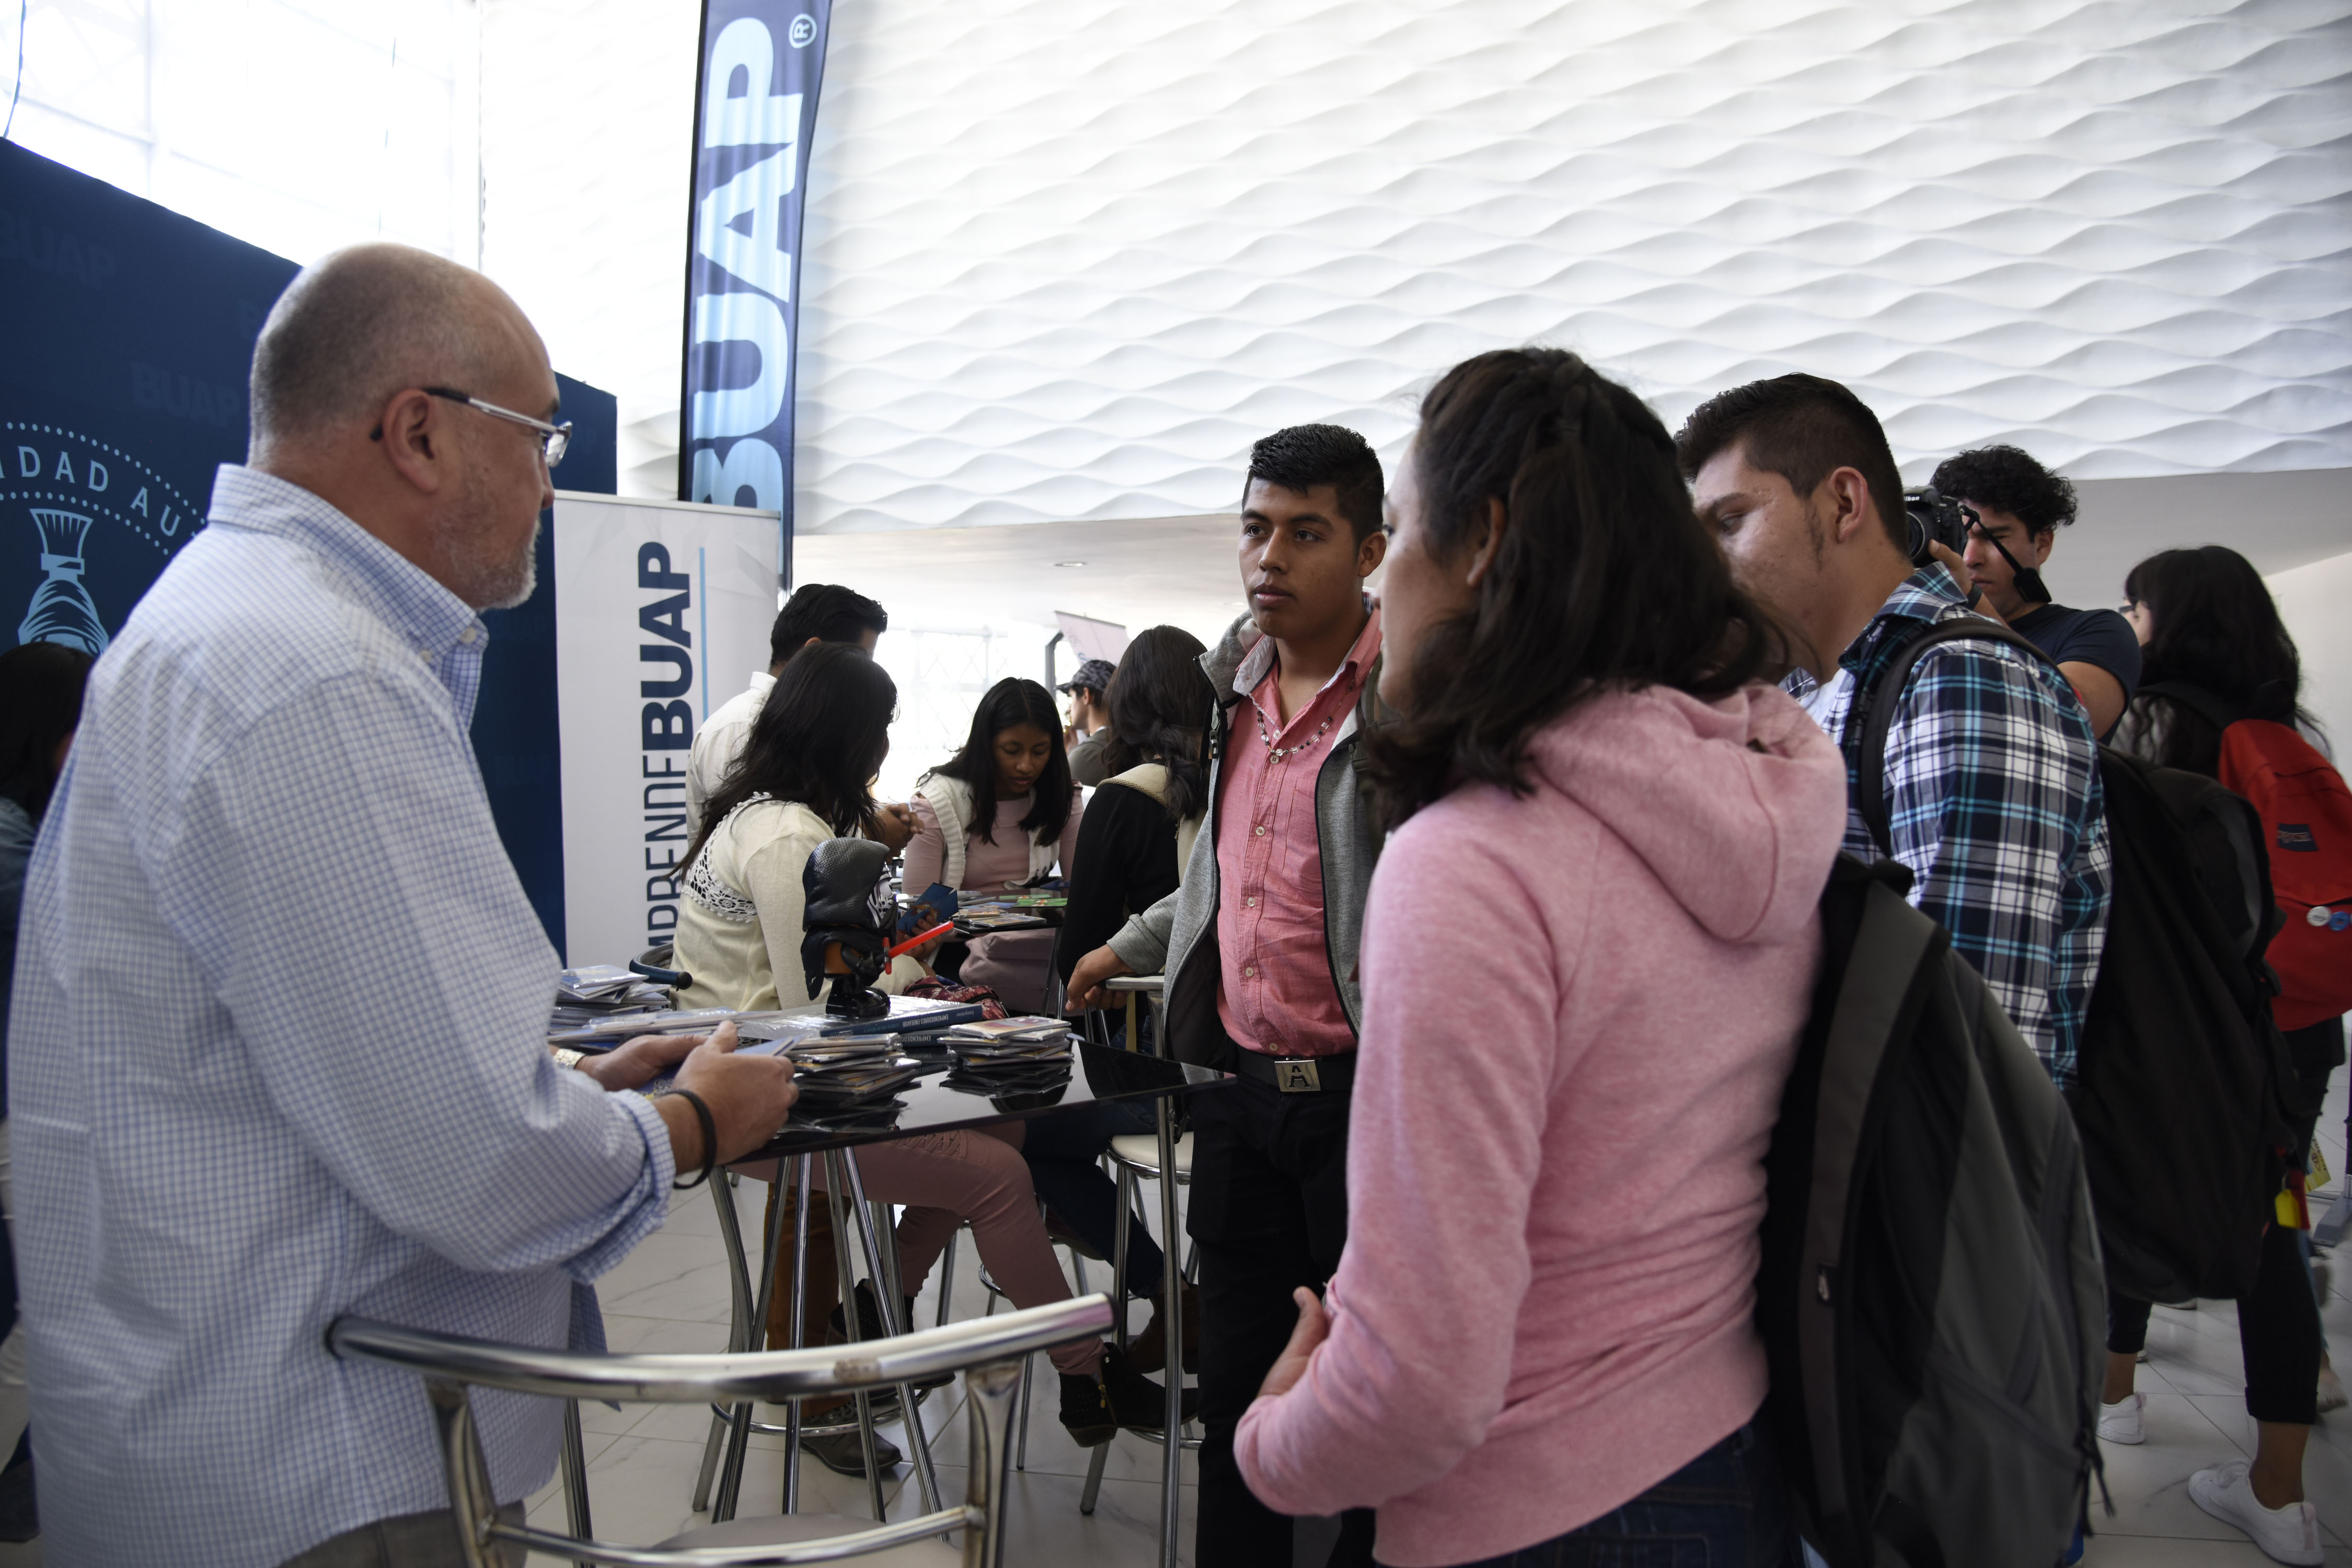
column 2019, row 506
column 1986, row 783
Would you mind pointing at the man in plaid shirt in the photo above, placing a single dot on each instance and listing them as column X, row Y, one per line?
column 1991, row 771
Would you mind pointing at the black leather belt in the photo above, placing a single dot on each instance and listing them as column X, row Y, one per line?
column 1299, row 1075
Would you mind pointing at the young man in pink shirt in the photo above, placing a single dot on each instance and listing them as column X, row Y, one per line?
column 1259, row 944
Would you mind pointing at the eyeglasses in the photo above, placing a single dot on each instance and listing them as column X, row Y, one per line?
column 553, row 439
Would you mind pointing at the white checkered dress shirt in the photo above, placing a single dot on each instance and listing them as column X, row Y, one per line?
column 276, row 1057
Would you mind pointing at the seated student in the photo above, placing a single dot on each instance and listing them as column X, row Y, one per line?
column 999, row 814
column 1590, row 941
column 1990, row 770
column 2020, row 507
column 802, row 779
column 1140, row 828
column 1087, row 734
column 816, row 612
column 2207, row 619
column 40, row 701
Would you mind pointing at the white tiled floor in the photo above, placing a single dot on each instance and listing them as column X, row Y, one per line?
column 670, row 1295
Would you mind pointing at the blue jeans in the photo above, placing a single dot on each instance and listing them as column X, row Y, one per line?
column 1724, row 1510
column 1061, row 1150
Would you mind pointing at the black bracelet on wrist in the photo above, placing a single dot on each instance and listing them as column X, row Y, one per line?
column 709, row 1137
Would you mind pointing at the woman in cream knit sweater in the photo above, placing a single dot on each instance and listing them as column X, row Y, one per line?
column 801, row 779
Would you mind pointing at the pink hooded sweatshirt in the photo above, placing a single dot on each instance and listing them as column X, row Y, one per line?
column 1580, row 1008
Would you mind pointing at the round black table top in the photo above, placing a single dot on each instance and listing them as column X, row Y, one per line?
column 944, row 1099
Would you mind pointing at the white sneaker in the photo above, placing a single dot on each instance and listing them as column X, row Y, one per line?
column 2121, row 1421
column 2331, row 1390
column 2289, row 1534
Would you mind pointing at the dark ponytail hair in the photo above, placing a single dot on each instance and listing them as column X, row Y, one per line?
column 1604, row 577
column 819, row 739
column 1160, row 701
column 2216, row 625
column 1010, row 703
column 40, row 702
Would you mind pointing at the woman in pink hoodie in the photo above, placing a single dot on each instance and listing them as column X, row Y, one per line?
column 1588, row 955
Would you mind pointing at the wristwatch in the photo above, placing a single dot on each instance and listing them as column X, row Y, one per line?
column 569, row 1058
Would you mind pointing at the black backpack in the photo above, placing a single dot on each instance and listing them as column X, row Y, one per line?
column 2181, row 1074
column 1929, row 1297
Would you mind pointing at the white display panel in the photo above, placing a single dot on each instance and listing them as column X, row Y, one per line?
column 662, row 613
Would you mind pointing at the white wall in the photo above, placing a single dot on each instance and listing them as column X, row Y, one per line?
column 1066, row 258
column 2317, row 601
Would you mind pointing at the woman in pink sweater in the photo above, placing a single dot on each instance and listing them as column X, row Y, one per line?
column 1587, row 959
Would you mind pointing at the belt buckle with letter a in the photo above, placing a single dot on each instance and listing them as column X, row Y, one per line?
column 1297, row 1077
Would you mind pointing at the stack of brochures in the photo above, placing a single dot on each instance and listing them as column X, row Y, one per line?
column 1010, row 1039
column 585, row 996
column 1009, row 1056
column 835, row 1074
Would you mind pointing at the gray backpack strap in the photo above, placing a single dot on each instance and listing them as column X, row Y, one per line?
column 1894, row 940
column 1876, row 712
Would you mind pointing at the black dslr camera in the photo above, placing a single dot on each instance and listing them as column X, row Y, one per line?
column 1935, row 519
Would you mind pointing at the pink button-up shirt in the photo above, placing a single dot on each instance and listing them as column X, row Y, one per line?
column 1275, row 991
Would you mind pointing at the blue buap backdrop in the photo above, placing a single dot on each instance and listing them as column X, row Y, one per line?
column 129, row 333
column 762, row 62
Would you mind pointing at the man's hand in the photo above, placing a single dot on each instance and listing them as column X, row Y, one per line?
column 639, row 1061
column 1951, row 562
column 750, row 1097
column 1085, row 990
column 894, row 826
column 1314, row 1328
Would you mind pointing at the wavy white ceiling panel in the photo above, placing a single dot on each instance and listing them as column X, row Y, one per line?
column 1068, row 259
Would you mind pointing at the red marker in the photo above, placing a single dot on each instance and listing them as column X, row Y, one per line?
column 913, row 942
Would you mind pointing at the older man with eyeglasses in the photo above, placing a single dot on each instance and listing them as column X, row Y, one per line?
column 276, row 1049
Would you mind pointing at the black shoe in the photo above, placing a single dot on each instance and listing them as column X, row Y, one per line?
column 1087, row 1411
column 1142, row 1403
column 1095, row 1408
column 845, row 1455
column 869, row 1327
column 1148, row 1352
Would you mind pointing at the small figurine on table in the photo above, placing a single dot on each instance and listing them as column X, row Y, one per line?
column 847, row 921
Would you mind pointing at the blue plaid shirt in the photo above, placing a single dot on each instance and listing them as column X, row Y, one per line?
column 1992, row 782
column 276, row 1056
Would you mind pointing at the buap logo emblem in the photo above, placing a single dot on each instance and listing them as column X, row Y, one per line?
column 102, row 523
column 61, row 610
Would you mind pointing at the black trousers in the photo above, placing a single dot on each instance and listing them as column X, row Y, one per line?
column 1269, row 1212
column 2278, row 1333
column 2278, row 1324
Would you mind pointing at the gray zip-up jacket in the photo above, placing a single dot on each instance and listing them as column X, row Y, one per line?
column 1178, row 935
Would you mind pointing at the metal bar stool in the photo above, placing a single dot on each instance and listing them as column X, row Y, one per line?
column 988, row 1353
column 1136, row 1156
column 731, row 1429
column 1147, row 991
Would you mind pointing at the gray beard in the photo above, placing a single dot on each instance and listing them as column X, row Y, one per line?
column 487, row 582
